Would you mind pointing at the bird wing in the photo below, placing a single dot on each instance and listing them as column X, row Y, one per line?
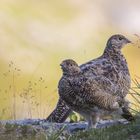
column 85, row 91
column 66, row 90
column 93, row 92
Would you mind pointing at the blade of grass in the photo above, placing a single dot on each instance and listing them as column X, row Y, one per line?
column 133, row 110
column 134, row 94
column 135, row 98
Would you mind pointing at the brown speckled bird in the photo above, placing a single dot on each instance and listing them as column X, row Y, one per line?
column 84, row 94
column 111, row 65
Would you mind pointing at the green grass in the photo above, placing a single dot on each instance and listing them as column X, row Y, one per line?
column 20, row 132
column 27, row 132
column 119, row 132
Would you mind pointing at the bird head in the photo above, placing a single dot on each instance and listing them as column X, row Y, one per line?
column 70, row 67
column 116, row 42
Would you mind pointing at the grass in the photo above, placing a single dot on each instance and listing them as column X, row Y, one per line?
column 28, row 97
column 19, row 132
column 27, row 132
column 120, row 132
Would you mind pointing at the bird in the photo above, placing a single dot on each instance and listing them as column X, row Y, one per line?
column 111, row 65
column 84, row 94
column 60, row 113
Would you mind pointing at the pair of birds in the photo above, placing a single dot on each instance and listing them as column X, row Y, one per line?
column 95, row 88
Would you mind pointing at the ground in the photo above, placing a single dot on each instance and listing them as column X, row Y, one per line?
column 122, row 131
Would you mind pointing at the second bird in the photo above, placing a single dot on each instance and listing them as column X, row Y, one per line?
column 84, row 94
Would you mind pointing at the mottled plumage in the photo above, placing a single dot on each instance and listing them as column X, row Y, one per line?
column 59, row 114
column 83, row 93
column 111, row 66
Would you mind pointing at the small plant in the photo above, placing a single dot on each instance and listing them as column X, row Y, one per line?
column 135, row 94
column 29, row 97
column 21, row 132
column 75, row 117
column 137, row 42
column 13, row 73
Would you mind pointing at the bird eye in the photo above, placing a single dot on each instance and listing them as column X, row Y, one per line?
column 120, row 38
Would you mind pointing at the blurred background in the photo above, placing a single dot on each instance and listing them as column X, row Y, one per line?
column 35, row 36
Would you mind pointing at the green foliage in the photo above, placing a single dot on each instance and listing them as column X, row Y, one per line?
column 74, row 117
column 21, row 132
column 56, row 135
column 119, row 132
column 135, row 94
column 27, row 132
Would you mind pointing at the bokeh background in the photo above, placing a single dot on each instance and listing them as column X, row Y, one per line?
column 36, row 35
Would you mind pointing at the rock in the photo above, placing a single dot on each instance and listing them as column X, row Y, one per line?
column 65, row 127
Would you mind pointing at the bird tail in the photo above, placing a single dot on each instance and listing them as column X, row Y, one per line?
column 127, row 115
column 60, row 113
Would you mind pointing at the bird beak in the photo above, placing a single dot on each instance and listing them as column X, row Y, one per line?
column 61, row 65
column 128, row 41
